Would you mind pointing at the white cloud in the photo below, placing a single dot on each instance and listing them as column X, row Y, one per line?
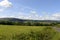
column 5, row 3
column 35, row 16
column 56, row 16
column 22, row 15
column 32, row 15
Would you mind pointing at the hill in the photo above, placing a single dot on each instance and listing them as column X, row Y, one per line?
column 27, row 22
column 22, row 20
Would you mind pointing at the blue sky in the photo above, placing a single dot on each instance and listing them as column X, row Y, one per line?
column 30, row 9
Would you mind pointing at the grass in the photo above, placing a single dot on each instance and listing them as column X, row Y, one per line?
column 15, row 29
column 8, row 31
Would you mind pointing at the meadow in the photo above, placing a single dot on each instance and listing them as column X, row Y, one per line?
column 13, row 32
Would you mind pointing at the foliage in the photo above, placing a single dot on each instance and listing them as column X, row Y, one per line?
column 28, row 23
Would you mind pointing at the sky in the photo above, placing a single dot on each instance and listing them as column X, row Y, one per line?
column 30, row 9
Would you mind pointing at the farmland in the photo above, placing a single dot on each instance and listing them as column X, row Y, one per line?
column 13, row 32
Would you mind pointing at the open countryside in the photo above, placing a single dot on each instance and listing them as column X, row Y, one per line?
column 29, row 19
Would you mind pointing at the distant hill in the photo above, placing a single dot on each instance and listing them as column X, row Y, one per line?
column 22, row 20
column 11, row 19
column 27, row 22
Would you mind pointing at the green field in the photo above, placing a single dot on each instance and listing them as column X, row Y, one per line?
column 7, row 31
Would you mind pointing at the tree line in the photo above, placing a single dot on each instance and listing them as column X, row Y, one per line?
column 28, row 23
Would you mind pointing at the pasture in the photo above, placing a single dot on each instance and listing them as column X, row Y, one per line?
column 13, row 32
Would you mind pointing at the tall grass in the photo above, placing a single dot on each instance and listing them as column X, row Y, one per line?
column 46, row 34
column 26, row 33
